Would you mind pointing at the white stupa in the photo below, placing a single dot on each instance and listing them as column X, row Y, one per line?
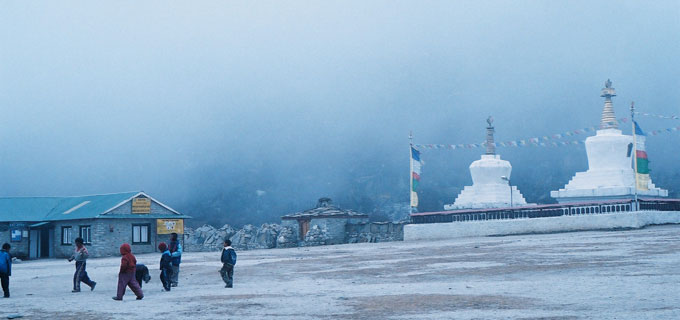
column 610, row 172
column 490, row 181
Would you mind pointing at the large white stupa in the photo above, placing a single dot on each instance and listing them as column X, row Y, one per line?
column 490, row 181
column 610, row 172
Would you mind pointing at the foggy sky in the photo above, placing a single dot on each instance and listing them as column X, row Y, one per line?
column 305, row 97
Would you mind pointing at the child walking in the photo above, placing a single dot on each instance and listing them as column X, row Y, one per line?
column 80, row 255
column 126, row 276
column 166, row 266
column 5, row 268
column 228, row 261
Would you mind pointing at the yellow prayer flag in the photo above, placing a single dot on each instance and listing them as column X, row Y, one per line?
column 642, row 181
column 414, row 199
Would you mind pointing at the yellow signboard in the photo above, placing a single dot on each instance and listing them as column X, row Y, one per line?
column 167, row 226
column 141, row 205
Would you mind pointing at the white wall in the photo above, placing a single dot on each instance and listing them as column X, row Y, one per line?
column 448, row 230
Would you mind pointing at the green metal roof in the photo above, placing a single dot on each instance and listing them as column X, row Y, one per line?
column 67, row 208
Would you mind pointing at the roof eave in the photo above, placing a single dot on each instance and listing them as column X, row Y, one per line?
column 135, row 196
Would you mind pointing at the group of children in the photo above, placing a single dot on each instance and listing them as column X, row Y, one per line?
column 131, row 273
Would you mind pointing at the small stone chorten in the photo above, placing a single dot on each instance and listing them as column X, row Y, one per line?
column 490, row 181
column 610, row 172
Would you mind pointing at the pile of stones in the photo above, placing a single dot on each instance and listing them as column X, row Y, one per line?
column 267, row 236
column 207, row 238
column 287, row 238
column 316, row 237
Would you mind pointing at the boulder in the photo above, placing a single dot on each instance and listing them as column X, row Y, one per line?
column 265, row 237
column 206, row 237
column 287, row 238
column 242, row 238
column 316, row 236
column 194, row 238
column 216, row 240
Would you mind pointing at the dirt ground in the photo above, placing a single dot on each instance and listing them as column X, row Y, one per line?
column 625, row 274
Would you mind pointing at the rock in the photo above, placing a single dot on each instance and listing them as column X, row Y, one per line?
column 287, row 238
column 265, row 237
column 207, row 238
column 216, row 240
column 251, row 238
column 241, row 239
column 316, row 236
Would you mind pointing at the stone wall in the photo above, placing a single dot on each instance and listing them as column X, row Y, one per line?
column 208, row 238
column 294, row 225
column 321, row 232
column 375, row 232
column 327, row 231
column 621, row 220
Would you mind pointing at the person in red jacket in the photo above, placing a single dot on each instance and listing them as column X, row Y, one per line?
column 126, row 276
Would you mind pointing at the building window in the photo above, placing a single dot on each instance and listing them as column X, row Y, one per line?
column 140, row 233
column 85, row 233
column 66, row 235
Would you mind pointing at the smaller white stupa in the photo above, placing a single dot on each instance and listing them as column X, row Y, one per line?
column 490, row 181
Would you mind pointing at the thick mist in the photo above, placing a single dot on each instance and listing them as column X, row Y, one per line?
column 240, row 112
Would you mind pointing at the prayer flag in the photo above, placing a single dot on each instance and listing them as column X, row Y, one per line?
column 415, row 175
column 641, row 160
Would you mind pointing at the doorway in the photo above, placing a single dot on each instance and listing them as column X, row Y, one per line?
column 304, row 228
column 45, row 243
column 33, row 244
column 40, row 242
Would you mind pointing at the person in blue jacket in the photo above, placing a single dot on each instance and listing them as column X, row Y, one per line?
column 228, row 262
column 5, row 268
column 175, row 248
column 166, row 267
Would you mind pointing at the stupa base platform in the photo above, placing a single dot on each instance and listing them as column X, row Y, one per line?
column 583, row 216
column 605, row 193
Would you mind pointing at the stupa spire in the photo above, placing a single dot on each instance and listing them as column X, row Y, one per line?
column 608, row 117
column 490, row 144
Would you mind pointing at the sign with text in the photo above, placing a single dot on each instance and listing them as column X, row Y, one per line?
column 141, row 205
column 168, row 226
column 17, row 225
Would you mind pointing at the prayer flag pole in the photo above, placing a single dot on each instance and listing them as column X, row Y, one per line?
column 410, row 172
column 632, row 122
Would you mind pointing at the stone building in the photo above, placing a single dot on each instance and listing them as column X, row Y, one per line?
column 324, row 224
column 45, row 227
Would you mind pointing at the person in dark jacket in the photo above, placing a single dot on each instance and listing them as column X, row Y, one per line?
column 142, row 274
column 166, row 265
column 126, row 276
column 5, row 268
column 80, row 256
column 228, row 261
column 175, row 248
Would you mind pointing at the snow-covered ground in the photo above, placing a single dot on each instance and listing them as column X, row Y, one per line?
column 631, row 274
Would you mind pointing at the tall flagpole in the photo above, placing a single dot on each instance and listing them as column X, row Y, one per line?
column 410, row 173
column 632, row 121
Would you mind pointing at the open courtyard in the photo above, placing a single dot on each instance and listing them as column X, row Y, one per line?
column 622, row 274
